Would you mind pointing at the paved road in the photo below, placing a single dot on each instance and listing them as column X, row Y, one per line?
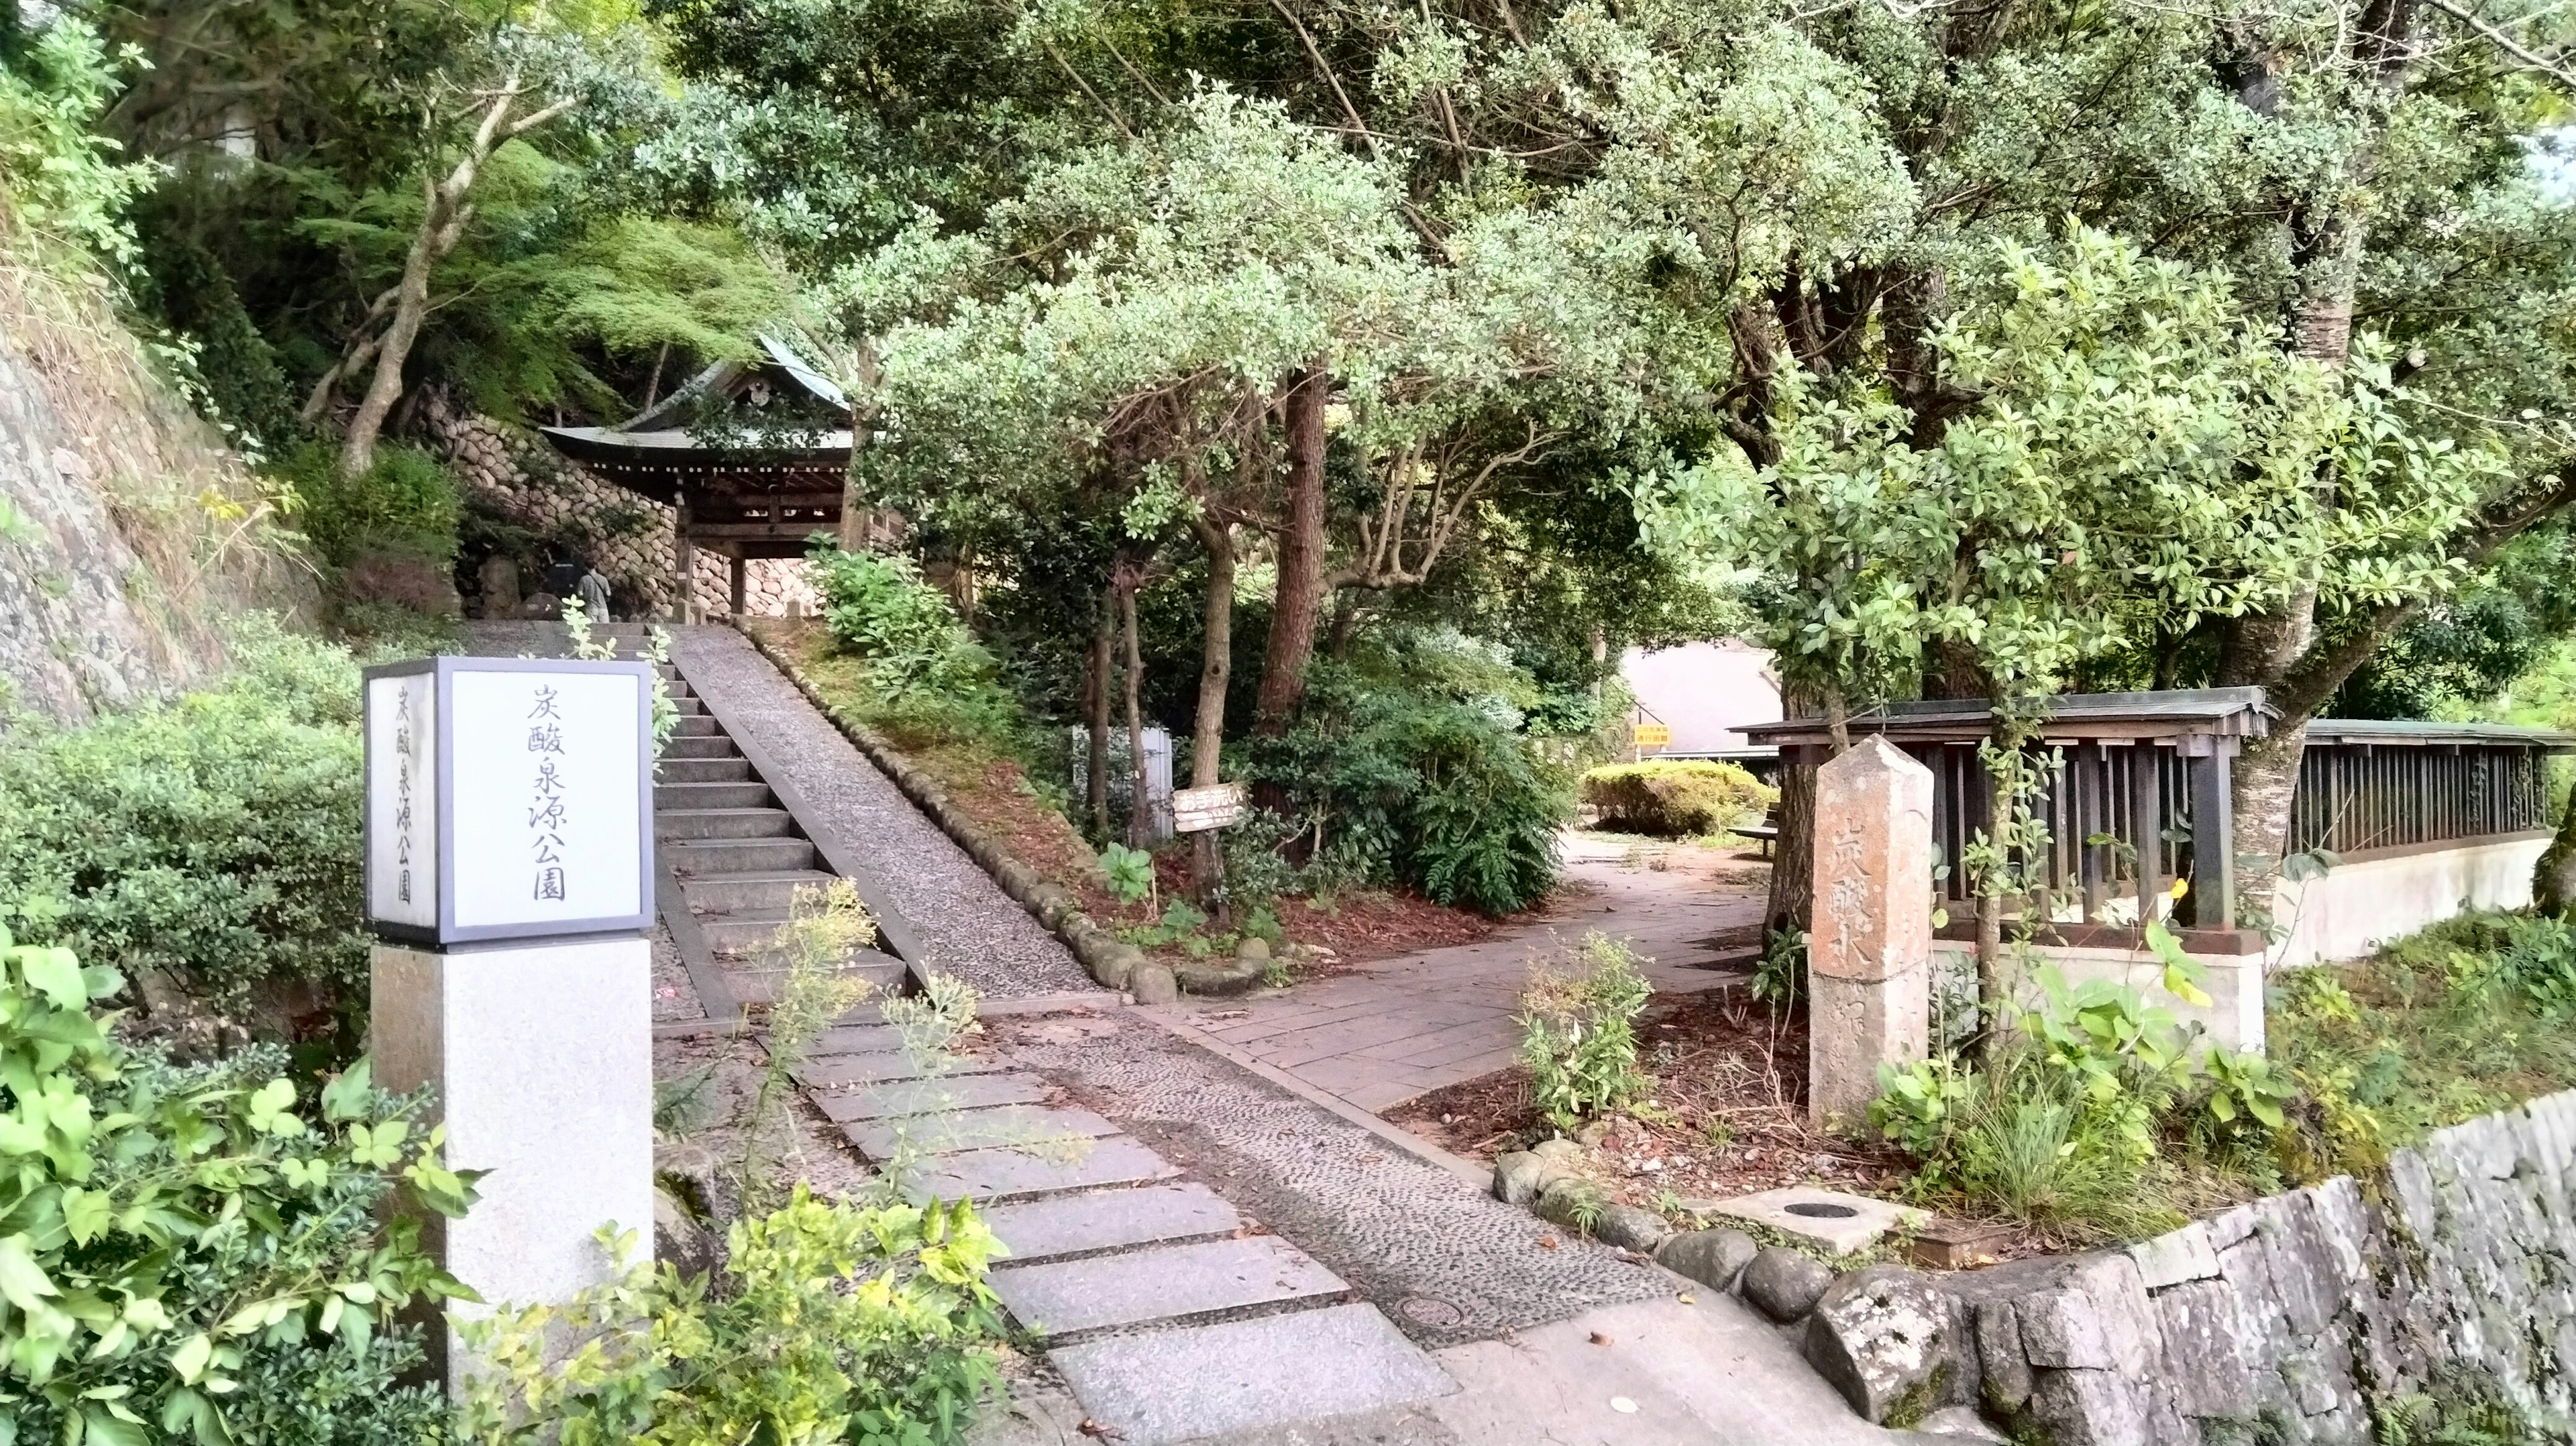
column 1398, row 1028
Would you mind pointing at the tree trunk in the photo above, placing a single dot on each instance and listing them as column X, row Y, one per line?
column 443, row 217
column 1299, row 602
column 1991, row 983
column 411, row 306
column 1139, row 808
column 1104, row 635
column 1207, row 729
column 1793, row 853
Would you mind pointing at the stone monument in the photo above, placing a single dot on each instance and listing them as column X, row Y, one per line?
column 1869, row 946
column 509, row 879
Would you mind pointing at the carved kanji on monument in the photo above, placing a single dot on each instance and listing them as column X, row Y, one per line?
column 1869, row 946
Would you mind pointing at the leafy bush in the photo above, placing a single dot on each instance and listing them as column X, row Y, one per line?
column 1675, row 798
column 1579, row 1033
column 835, row 1323
column 57, row 174
column 186, row 1254
column 407, row 503
column 215, row 837
column 1445, row 794
column 933, row 682
column 2068, row 1129
column 1129, row 872
column 879, row 609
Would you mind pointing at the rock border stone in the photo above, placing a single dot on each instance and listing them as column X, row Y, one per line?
column 1111, row 961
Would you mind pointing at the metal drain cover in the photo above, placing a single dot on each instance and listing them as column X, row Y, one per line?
column 1424, row 1311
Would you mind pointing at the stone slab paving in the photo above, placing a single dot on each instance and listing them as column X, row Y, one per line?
column 1395, row 1029
column 1446, row 1261
column 849, row 1069
column 930, row 1096
column 1061, row 1225
column 1161, row 1283
column 1248, row 1374
column 1016, row 1174
column 968, row 927
column 946, row 1133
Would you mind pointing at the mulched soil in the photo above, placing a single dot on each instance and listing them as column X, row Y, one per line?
column 1729, row 1119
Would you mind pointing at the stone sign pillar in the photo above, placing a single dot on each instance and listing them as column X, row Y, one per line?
column 509, row 853
column 1869, row 949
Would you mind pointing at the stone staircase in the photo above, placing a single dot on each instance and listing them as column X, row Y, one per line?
column 1171, row 1316
column 733, row 855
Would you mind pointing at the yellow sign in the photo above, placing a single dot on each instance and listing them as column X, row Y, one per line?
column 1654, row 735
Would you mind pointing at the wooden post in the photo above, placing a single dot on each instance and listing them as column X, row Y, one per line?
column 685, row 553
column 739, row 575
column 2146, row 825
column 2213, row 834
column 2092, row 815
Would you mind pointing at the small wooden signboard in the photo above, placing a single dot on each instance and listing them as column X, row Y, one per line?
column 1197, row 810
column 1654, row 735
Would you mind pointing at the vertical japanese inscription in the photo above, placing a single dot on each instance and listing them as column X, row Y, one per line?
column 1847, row 898
column 406, row 757
column 546, row 808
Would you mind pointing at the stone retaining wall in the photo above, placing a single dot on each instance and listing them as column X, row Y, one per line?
column 627, row 536
column 2286, row 1319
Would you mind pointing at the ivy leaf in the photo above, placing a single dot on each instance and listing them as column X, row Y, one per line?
column 270, row 1107
column 346, row 1098
column 192, row 1358
column 87, row 1214
column 56, row 974
column 22, row 1281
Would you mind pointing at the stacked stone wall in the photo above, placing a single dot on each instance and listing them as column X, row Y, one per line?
column 2286, row 1320
column 630, row 538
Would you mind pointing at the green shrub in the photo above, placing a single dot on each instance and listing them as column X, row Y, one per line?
column 1579, row 1033
column 1447, row 795
column 215, row 837
column 58, row 176
column 406, row 503
column 181, row 1252
column 933, row 682
column 1675, row 798
column 835, row 1323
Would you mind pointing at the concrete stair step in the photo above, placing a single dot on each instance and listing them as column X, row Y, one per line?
column 689, row 706
column 856, row 1039
column 758, row 985
column 714, row 746
column 707, row 770
column 748, row 930
column 1044, row 1127
column 1164, row 1283
column 718, row 897
column 1062, row 1225
column 696, row 725
column 929, row 1097
column 723, row 823
column 686, row 797
column 991, row 1175
column 1248, row 1377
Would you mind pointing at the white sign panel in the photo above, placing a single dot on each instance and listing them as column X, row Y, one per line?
column 508, row 798
column 543, row 805
column 1196, row 810
column 402, row 800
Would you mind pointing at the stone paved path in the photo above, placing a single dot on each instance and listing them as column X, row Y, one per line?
column 965, row 924
column 1129, row 1271
column 1399, row 1028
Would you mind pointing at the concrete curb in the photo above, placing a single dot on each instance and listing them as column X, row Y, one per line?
column 1111, row 961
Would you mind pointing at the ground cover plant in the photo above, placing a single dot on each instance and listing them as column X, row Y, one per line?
column 2468, row 1017
column 203, row 1253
